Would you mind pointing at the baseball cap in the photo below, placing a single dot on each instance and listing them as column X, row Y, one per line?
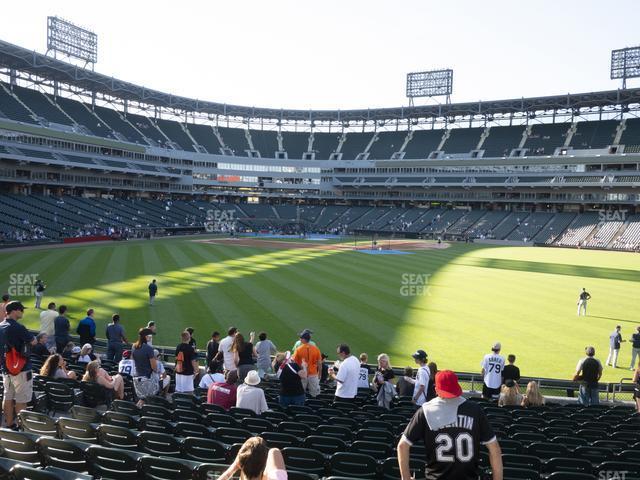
column 510, row 383
column 126, row 354
column 75, row 349
column 306, row 334
column 420, row 354
column 497, row 346
column 15, row 305
column 447, row 385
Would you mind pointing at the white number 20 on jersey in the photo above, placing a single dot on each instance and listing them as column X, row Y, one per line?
column 445, row 446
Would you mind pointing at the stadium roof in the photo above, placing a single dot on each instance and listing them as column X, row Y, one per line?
column 22, row 59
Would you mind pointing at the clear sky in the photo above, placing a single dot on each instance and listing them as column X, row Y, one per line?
column 344, row 53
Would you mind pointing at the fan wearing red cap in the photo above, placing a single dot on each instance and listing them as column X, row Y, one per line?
column 451, row 430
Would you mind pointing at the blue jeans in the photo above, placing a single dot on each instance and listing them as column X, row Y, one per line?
column 588, row 395
column 114, row 352
column 286, row 400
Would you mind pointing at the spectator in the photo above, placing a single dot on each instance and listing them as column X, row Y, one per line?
column 61, row 329
column 71, row 352
column 144, row 382
column 192, row 341
column 492, row 366
column 363, row 377
column 224, row 393
column 291, row 375
column 511, row 372
column 161, row 376
column 635, row 349
column 86, row 354
column 421, row 385
column 87, row 328
column 431, row 389
column 346, row 374
column 243, row 355
column 18, row 385
column 153, row 291
column 383, row 366
column 615, row 340
column 533, row 397
column 264, row 349
column 307, row 352
column 324, row 369
column 406, row 383
column 213, row 375
column 386, row 391
column 255, row 461
column 225, row 348
column 151, row 325
column 5, row 299
column 251, row 397
column 47, row 319
column 510, row 394
column 450, row 418
column 40, row 349
column 186, row 364
column 115, row 339
column 127, row 366
column 55, row 366
column 213, row 346
column 307, row 334
column 588, row 373
column 636, row 390
column 96, row 374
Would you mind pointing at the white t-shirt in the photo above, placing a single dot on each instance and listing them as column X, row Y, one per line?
column 225, row 348
column 363, row 378
column 127, row 366
column 422, row 378
column 209, row 378
column 493, row 364
column 348, row 374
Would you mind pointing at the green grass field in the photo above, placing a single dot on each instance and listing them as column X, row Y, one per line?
column 475, row 295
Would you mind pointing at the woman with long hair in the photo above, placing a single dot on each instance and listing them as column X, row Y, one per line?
column 533, row 397
column 145, row 382
column 243, row 355
column 510, row 394
column 56, row 367
column 256, row 461
column 96, row 374
column 382, row 372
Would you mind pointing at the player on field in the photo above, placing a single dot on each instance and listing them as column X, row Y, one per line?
column 582, row 301
column 492, row 366
column 451, row 429
column 153, row 291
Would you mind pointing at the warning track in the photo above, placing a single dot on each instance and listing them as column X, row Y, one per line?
column 397, row 244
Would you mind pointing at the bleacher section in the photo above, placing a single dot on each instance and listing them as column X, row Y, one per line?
column 324, row 144
column 176, row 134
column 422, row 143
column 594, row 134
column 502, row 140
column 234, row 139
column 41, row 106
column 266, row 142
column 355, row 144
column 462, row 140
column 78, row 111
column 146, row 126
column 295, row 144
column 12, row 109
column 629, row 239
column 204, row 135
column 579, row 230
column 386, row 145
column 555, row 227
column 123, row 127
column 545, row 138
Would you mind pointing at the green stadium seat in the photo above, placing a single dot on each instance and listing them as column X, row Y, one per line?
column 304, row 460
column 354, row 465
column 326, row 445
column 204, row 450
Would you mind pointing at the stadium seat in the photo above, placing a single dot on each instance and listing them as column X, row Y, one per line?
column 355, row 465
column 390, row 470
column 374, row 449
column 217, row 420
column 77, row 430
column 336, row 431
column 257, row 425
column 158, row 425
column 183, row 415
column 569, row 442
column 546, row 450
column 274, row 417
column 63, row 454
column 612, row 444
column 22, row 472
column 295, row 428
column 155, row 468
column 304, row 460
column 231, row 435
column 311, row 420
column 119, row 419
column 345, row 422
column 326, row 445
column 124, row 406
column 522, row 461
column 85, row 414
column 155, row 411
column 570, row 476
column 39, row 423
column 20, row 446
column 117, row 437
column 112, row 463
column 515, row 473
column 94, row 395
column 204, row 450
column 567, row 464
column 529, row 437
column 186, row 429
column 372, row 435
column 604, row 469
column 280, row 440
column 60, row 397
column 240, row 413
column 159, row 444
column 158, row 401
column 594, row 454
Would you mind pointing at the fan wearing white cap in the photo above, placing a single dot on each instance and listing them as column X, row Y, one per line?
column 492, row 366
column 250, row 396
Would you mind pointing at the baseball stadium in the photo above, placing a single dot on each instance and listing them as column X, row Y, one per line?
column 449, row 229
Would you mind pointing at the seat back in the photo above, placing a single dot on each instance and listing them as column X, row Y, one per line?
column 62, row 454
column 112, row 463
column 159, row 444
column 19, row 445
column 356, row 465
column 304, row 460
column 77, row 430
column 204, row 450
column 39, row 423
column 117, row 437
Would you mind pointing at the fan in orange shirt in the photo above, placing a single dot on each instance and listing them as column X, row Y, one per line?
column 310, row 354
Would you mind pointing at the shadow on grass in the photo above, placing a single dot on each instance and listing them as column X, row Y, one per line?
column 552, row 268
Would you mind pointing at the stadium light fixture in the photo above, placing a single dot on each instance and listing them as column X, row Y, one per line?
column 625, row 63
column 432, row 83
column 71, row 40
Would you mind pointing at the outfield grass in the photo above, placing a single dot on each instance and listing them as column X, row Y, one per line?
column 475, row 295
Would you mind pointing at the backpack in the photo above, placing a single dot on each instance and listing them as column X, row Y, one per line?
column 14, row 361
column 180, row 362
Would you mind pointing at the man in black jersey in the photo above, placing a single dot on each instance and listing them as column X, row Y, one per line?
column 452, row 430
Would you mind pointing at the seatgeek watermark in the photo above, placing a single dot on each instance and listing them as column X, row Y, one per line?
column 220, row 221
column 22, row 284
column 414, row 284
column 606, row 216
column 612, row 474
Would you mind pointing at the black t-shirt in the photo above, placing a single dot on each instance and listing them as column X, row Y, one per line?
column 584, row 295
column 510, row 372
column 189, row 355
column 40, row 350
column 635, row 338
column 590, row 371
column 452, row 451
column 290, row 382
column 246, row 355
